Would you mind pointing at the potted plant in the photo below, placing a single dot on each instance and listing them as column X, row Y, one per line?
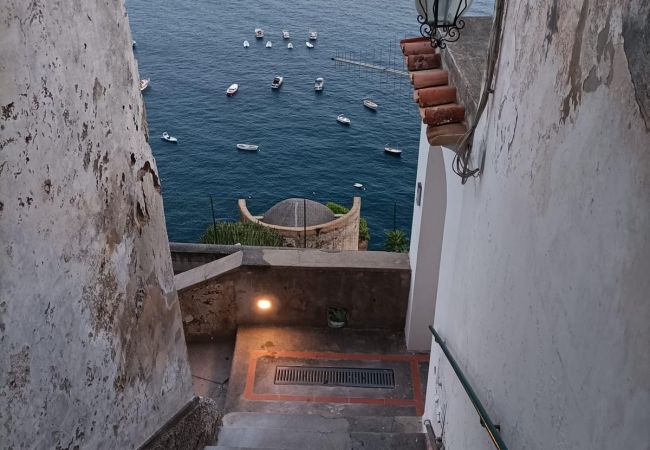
column 336, row 317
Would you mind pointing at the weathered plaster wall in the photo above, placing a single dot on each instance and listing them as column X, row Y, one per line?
column 301, row 284
column 339, row 234
column 544, row 287
column 92, row 353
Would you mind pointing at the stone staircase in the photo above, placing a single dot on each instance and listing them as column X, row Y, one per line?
column 255, row 430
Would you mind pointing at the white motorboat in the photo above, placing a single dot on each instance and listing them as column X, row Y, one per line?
column 133, row 44
column 144, row 84
column 370, row 104
column 246, row 44
column 309, row 45
column 392, row 151
column 285, row 34
column 166, row 137
column 318, row 84
column 313, row 35
column 343, row 119
column 248, row 147
column 232, row 89
column 259, row 33
column 277, row 82
column 289, row 45
column 269, row 44
column 358, row 185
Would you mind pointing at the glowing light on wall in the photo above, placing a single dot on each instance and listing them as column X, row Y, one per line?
column 264, row 304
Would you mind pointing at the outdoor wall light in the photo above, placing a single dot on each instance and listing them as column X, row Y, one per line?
column 440, row 20
column 264, row 304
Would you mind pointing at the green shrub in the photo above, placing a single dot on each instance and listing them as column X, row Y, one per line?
column 244, row 233
column 396, row 241
column 364, row 230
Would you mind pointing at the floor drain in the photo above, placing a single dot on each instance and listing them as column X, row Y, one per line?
column 335, row 376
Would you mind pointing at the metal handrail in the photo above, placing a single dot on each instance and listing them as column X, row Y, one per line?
column 491, row 429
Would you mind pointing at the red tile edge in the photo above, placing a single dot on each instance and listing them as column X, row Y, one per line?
column 414, row 360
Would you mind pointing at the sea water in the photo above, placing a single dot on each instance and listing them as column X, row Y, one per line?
column 192, row 51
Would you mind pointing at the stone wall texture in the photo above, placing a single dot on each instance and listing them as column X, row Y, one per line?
column 544, row 289
column 339, row 234
column 301, row 284
column 92, row 353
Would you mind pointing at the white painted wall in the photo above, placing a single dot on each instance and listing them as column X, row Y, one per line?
column 426, row 242
column 92, row 353
column 544, row 288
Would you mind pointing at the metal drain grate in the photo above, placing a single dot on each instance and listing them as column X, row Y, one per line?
column 335, row 376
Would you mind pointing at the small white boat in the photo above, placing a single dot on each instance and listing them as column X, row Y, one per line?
column 289, row 45
column 269, row 44
column 144, row 84
column 343, row 119
column 309, row 45
column 259, row 33
column 318, row 84
column 285, row 34
column 277, row 82
column 246, row 44
column 248, row 147
column 370, row 104
column 358, row 185
column 313, row 35
column 232, row 89
column 166, row 137
column 392, row 151
column 133, row 44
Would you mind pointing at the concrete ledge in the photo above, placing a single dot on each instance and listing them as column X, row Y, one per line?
column 466, row 60
column 219, row 296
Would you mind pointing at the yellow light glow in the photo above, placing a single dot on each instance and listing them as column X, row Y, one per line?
column 264, row 304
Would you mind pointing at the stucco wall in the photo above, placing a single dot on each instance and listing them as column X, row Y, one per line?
column 301, row 284
column 339, row 234
column 543, row 294
column 92, row 353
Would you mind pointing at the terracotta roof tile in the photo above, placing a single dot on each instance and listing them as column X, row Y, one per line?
column 429, row 78
column 414, row 39
column 423, row 62
column 443, row 114
column 434, row 96
column 449, row 134
column 417, row 48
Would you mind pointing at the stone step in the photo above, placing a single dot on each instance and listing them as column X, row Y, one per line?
column 315, row 422
column 283, row 438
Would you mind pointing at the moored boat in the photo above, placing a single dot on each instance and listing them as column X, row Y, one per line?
column 269, row 44
column 259, row 33
column 318, row 84
column 144, row 84
column 285, row 34
column 343, row 119
column 277, row 82
column 313, row 35
column 392, row 151
column 246, row 44
column 309, row 45
column 166, row 137
column 358, row 185
column 248, row 147
column 289, row 45
column 370, row 104
column 232, row 89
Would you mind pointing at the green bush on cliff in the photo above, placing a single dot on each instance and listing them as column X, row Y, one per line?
column 396, row 241
column 364, row 231
column 244, row 233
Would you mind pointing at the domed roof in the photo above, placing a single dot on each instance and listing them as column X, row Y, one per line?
column 289, row 213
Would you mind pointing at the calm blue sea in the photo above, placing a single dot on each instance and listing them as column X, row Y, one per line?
column 192, row 51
